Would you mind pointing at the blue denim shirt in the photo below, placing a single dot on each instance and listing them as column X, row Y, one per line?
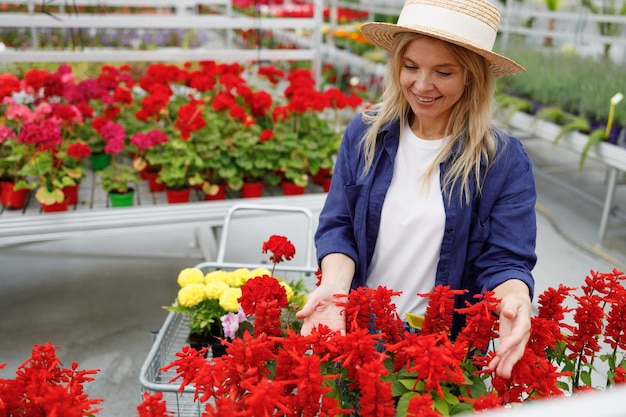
column 485, row 243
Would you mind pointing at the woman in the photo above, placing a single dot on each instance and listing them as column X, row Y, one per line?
column 426, row 190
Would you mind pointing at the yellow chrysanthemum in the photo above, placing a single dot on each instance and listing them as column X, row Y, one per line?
column 217, row 275
column 238, row 277
column 190, row 276
column 191, row 295
column 259, row 272
column 288, row 290
column 228, row 299
column 214, row 289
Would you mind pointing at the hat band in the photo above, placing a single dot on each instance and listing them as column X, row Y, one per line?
column 450, row 21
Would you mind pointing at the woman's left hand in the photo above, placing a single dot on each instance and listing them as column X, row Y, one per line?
column 515, row 309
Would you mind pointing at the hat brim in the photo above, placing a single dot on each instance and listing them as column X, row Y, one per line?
column 382, row 34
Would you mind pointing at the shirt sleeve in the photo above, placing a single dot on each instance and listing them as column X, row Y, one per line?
column 335, row 232
column 510, row 193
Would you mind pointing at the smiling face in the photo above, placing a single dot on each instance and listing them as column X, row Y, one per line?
column 432, row 81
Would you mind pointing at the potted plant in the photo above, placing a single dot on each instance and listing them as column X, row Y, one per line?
column 253, row 160
column 13, row 156
column 49, row 167
column 212, row 301
column 205, row 298
column 308, row 139
column 118, row 180
column 178, row 161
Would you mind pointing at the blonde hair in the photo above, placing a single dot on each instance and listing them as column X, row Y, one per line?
column 469, row 127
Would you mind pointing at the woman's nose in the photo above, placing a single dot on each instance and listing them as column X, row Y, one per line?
column 422, row 82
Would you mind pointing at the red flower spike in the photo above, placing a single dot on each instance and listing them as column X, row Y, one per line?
column 551, row 303
column 589, row 317
column 153, row 406
column 376, row 395
column 43, row 387
column 615, row 329
column 422, row 406
column 438, row 317
column 481, row 320
column 358, row 347
column 620, row 375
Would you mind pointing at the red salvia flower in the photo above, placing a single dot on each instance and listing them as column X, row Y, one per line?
column 487, row 401
column 309, row 383
column 187, row 366
column 544, row 335
column 376, row 395
column 615, row 329
column 481, row 320
column 248, row 359
column 588, row 316
column 534, row 375
column 357, row 348
column 620, row 375
column 602, row 283
column 368, row 308
column 422, row 406
column 43, row 387
column 438, row 317
column 153, row 406
column 551, row 303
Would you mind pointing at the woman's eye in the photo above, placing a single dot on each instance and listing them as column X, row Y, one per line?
column 444, row 73
column 410, row 67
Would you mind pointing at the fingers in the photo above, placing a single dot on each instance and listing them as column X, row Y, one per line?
column 514, row 334
column 306, row 311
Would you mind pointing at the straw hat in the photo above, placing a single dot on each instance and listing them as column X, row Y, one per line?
column 472, row 24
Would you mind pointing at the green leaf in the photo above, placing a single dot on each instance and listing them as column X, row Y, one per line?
column 441, row 405
column 403, row 403
column 595, row 137
column 44, row 196
column 585, row 377
column 461, row 408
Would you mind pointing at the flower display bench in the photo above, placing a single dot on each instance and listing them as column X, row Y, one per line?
column 613, row 157
column 32, row 226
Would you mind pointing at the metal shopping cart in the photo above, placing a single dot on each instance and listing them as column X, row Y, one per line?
column 244, row 224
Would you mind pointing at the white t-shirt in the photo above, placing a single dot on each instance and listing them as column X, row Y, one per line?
column 411, row 226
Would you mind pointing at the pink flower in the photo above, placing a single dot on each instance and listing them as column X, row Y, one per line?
column 112, row 131
column 145, row 141
column 18, row 112
column 114, row 145
column 46, row 135
column 230, row 323
column 6, row 133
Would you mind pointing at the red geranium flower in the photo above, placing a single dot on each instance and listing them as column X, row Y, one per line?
column 281, row 248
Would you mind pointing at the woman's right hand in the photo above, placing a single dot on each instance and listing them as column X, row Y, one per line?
column 320, row 308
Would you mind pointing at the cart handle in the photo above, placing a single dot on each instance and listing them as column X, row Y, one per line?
column 287, row 209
